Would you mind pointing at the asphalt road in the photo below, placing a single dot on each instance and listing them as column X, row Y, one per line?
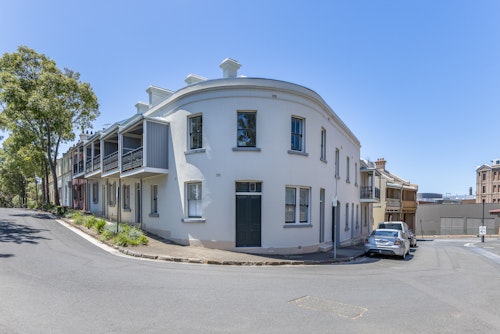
column 54, row 281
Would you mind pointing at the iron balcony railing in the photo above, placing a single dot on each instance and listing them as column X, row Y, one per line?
column 367, row 192
column 110, row 162
column 96, row 162
column 132, row 160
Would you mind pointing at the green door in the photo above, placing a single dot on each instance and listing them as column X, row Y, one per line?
column 248, row 215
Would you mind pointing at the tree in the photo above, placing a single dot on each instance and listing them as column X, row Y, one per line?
column 42, row 104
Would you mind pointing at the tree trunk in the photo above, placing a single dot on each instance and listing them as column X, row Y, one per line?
column 52, row 166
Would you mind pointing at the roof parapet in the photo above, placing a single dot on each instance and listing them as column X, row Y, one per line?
column 193, row 78
column 229, row 68
column 157, row 94
column 142, row 107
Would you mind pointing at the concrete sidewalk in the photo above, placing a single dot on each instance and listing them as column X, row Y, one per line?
column 160, row 249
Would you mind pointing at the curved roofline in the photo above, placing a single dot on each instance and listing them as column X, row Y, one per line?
column 254, row 83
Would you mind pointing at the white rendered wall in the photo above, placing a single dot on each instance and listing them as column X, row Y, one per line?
column 218, row 167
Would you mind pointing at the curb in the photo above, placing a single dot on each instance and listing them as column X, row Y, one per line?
column 231, row 262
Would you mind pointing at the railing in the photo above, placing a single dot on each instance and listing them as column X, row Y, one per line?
column 110, row 162
column 96, row 163
column 88, row 166
column 393, row 202
column 132, row 159
column 78, row 167
column 367, row 192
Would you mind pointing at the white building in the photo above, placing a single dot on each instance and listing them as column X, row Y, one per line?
column 245, row 164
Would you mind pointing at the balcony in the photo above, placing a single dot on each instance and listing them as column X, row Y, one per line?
column 110, row 162
column 369, row 194
column 132, row 160
column 393, row 204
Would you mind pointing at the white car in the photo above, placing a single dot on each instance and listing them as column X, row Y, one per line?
column 388, row 242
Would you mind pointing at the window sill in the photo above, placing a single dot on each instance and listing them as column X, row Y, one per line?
column 198, row 150
column 154, row 215
column 323, row 160
column 246, row 149
column 304, row 154
column 295, row 225
column 194, row 220
column 127, row 210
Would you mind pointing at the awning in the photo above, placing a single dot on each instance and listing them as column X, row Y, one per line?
column 494, row 212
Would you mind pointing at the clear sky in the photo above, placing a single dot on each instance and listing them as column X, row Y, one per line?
column 418, row 82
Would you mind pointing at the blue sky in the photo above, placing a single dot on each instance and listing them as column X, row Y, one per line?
column 418, row 82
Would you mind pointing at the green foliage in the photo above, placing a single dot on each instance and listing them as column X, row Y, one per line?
column 99, row 225
column 40, row 106
column 60, row 210
column 78, row 218
column 89, row 221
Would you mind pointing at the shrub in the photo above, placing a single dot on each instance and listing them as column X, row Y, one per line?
column 99, row 225
column 78, row 218
column 60, row 210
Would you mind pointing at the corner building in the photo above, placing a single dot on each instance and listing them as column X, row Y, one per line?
column 244, row 164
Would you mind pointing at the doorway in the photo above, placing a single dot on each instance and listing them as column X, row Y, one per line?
column 248, row 214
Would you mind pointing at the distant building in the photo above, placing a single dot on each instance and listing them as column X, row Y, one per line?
column 398, row 198
column 433, row 198
column 488, row 182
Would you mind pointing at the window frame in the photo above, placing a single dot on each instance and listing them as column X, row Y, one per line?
column 197, row 201
column 126, row 197
column 247, row 129
column 195, row 139
column 323, row 145
column 298, row 206
column 300, row 133
column 112, row 194
column 337, row 163
column 348, row 169
column 95, row 192
column 154, row 201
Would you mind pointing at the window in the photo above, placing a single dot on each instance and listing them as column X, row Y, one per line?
column 357, row 216
column 95, row 192
column 337, row 163
column 112, row 194
column 484, row 189
column 297, row 134
column 247, row 129
column 195, row 132
column 323, row 145
column 194, row 200
column 348, row 169
column 126, row 197
column 347, row 216
column 154, row 200
column 356, row 174
column 484, row 176
column 297, row 214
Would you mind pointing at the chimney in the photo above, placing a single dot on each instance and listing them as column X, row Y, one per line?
column 142, row 107
column 230, row 68
column 84, row 136
column 157, row 94
column 380, row 163
column 193, row 78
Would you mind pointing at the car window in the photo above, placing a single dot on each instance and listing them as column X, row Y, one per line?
column 386, row 233
column 393, row 226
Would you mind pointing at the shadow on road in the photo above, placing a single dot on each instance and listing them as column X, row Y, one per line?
column 19, row 234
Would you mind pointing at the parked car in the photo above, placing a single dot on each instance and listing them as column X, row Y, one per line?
column 397, row 225
column 413, row 238
column 387, row 242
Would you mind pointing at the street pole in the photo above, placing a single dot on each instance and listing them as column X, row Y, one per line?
column 482, row 223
